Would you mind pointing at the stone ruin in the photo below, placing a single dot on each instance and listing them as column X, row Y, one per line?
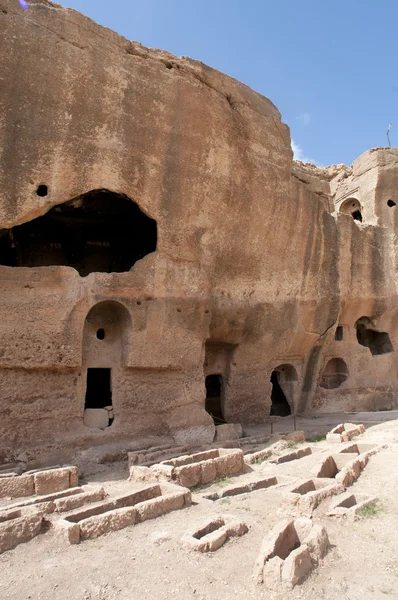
column 165, row 266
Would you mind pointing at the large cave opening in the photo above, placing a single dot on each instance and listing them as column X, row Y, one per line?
column 100, row 231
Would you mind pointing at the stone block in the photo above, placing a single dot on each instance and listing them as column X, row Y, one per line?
column 8, row 514
column 188, row 475
column 293, row 436
column 236, row 529
column 303, row 488
column 343, row 501
column 48, row 498
column 310, row 501
column 73, row 477
column 280, row 541
column 295, row 455
column 327, row 468
column 303, row 527
column 272, row 573
column 317, row 542
column 54, row 480
column 229, row 464
column 74, row 502
column 350, row 449
column 142, row 474
column 334, row 438
column 298, row 545
column 151, row 509
column 20, row 530
column 342, row 459
column 46, row 508
column 192, row 458
column 228, row 431
column 297, row 566
column 213, row 534
column 114, row 520
column 215, row 540
column 96, row 418
column 338, row 429
column 208, row 472
column 68, row 531
column 17, row 487
column 162, row 472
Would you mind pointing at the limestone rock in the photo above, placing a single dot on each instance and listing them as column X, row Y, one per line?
column 96, row 418
column 228, row 431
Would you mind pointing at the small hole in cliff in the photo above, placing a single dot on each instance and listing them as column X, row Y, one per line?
column 138, row 302
column 338, row 336
column 207, row 312
column 42, row 190
column 168, row 64
column 391, row 203
column 101, row 334
column 178, row 309
column 357, row 215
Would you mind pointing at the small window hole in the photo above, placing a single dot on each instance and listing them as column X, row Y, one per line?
column 42, row 190
column 391, row 203
column 101, row 334
column 338, row 336
column 357, row 215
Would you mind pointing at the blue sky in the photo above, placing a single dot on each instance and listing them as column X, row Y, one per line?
column 330, row 67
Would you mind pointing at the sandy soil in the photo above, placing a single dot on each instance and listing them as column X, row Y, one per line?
column 147, row 561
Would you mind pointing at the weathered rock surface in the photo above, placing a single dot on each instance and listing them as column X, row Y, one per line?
column 256, row 264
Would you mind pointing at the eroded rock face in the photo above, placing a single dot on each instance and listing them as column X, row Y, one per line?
column 241, row 264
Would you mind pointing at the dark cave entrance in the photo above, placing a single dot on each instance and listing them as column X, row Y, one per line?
column 213, row 404
column 378, row 342
column 97, row 232
column 279, row 405
column 98, row 390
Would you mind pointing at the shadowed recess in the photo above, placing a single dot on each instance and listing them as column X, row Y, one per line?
column 279, row 405
column 352, row 207
column 378, row 342
column 97, row 232
column 335, row 373
column 213, row 405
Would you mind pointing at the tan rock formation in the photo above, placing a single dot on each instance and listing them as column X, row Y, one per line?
column 155, row 236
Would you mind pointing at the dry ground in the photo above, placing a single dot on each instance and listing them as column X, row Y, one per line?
column 147, row 561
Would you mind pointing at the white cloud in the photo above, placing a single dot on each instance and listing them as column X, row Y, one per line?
column 298, row 154
column 304, row 118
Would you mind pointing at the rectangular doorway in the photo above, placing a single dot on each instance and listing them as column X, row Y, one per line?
column 98, row 389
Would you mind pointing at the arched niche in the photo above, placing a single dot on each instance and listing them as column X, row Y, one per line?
column 283, row 379
column 334, row 374
column 106, row 335
column 100, row 231
column 352, row 207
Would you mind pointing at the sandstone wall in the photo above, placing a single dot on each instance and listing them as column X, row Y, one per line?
column 248, row 254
